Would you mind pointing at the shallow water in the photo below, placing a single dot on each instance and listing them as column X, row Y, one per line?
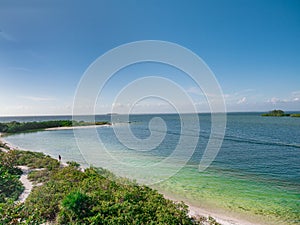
column 256, row 172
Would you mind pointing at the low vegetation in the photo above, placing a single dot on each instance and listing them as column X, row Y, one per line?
column 72, row 196
column 17, row 127
column 280, row 113
column 277, row 113
column 10, row 186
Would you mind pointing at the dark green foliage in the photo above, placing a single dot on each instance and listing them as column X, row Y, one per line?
column 39, row 176
column 74, row 164
column 8, row 161
column 277, row 113
column 295, row 115
column 280, row 113
column 75, row 207
column 35, row 160
column 3, row 127
column 212, row 221
column 10, row 212
column 17, row 127
column 47, row 198
column 3, row 145
column 103, row 123
column 75, row 197
column 14, row 213
column 10, row 186
column 95, row 196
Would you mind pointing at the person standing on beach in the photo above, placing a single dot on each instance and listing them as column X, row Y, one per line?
column 59, row 157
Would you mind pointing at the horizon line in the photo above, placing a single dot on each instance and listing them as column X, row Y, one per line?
column 156, row 113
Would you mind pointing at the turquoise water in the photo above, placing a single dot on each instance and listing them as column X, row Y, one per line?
column 256, row 173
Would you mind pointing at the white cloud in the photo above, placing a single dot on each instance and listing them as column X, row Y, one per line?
column 296, row 94
column 37, row 98
column 274, row 100
column 240, row 97
column 294, row 98
column 194, row 90
column 242, row 100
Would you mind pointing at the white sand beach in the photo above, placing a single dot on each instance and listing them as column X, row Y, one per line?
column 77, row 127
column 26, row 183
column 220, row 217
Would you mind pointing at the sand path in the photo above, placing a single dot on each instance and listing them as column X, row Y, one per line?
column 26, row 183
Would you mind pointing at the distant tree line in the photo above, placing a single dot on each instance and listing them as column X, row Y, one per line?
column 16, row 127
column 279, row 113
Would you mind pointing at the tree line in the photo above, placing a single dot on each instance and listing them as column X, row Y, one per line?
column 16, row 127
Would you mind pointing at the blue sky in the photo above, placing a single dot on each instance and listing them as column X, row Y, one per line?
column 253, row 48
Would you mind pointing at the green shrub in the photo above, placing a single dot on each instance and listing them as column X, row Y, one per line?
column 39, row 176
column 277, row 113
column 36, row 160
column 8, row 161
column 74, row 164
column 95, row 196
column 10, row 212
column 16, row 127
column 295, row 115
column 10, row 186
column 74, row 197
column 75, row 207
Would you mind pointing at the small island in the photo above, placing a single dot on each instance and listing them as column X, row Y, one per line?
column 277, row 113
column 280, row 113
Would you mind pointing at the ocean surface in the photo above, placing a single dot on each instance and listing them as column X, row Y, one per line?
column 256, row 173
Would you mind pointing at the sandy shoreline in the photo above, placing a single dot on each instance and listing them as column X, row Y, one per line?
column 221, row 218
column 7, row 144
column 76, row 127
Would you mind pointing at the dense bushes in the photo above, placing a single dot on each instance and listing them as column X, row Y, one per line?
column 35, row 160
column 280, row 113
column 75, row 197
column 15, row 127
column 277, row 113
column 75, row 207
column 94, row 196
column 10, row 186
